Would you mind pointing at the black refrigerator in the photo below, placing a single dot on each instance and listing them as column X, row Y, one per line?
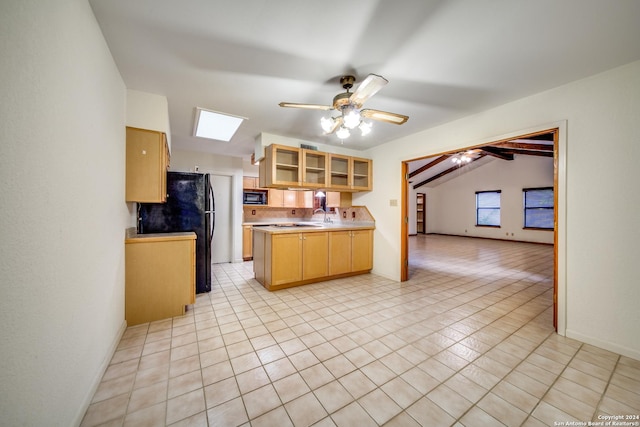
column 190, row 207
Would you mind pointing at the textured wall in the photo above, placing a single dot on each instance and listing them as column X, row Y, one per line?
column 62, row 157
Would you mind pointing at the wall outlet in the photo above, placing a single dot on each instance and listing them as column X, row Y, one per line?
column 196, row 168
column 293, row 211
column 353, row 215
column 344, row 214
column 253, row 211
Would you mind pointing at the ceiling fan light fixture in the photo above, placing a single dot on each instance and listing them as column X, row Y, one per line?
column 348, row 105
column 343, row 133
column 460, row 158
column 365, row 128
column 327, row 124
column 351, row 117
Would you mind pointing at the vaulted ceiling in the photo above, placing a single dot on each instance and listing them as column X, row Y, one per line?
column 435, row 170
column 444, row 59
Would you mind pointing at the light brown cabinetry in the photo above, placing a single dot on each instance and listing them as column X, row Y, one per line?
column 285, row 167
column 315, row 255
column 290, row 198
column 288, row 259
column 350, row 173
column 160, row 276
column 286, row 267
column 361, row 178
column 314, row 169
column 337, row 199
column 304, row 199
column 146, row 166
column 296, row 257
column 361, row 250
column 350, row 251
column 250, row 182
column 281, row 166
column 275, row 198
column 247, row 242
column 339, row 172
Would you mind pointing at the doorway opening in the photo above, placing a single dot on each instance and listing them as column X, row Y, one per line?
column 549, row 142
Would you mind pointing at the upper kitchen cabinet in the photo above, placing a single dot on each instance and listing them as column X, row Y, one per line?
column 361, row 179
column 146, row 168
column 282, row 166
column 339, row 172
column 250, row 182
column 314, row 169
column 350, row 173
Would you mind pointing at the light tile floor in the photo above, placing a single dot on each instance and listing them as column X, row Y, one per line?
column 467, row 341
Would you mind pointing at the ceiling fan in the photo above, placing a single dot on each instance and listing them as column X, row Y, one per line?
column 349, row 105
column 465, row 157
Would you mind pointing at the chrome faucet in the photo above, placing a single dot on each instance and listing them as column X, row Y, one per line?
column 326, row 220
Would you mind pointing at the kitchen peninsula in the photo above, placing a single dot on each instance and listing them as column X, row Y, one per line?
column 300, row 253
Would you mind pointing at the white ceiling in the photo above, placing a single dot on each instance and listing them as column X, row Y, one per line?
column 443, row 59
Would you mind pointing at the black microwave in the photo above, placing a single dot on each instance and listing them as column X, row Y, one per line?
column 254, row 198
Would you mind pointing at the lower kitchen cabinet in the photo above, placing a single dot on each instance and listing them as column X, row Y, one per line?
column 350, row 251
column 361, row 250
column 315, row 255
column 299, row 256
column 247, row 242
column 160, row 276
column 286, row 259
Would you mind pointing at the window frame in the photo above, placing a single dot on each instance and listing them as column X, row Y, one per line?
column 525, row 208
column 499, row 208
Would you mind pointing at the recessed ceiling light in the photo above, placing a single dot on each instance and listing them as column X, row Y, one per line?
column 214, row 125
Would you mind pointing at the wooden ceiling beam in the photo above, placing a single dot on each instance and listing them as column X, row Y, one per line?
column 524, row 146
column 497, row 152
column 448, row 171
column 531, row 152
column 427, row 166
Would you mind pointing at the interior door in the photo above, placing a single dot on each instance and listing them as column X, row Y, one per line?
column 222, row 242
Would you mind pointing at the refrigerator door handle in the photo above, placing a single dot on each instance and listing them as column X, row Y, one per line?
column 212, row 212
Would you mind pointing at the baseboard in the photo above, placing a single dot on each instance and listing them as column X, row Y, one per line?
column 95, row 383
column 606, row 345
column 489, row 238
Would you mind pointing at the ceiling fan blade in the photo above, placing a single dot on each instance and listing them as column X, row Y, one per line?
column 306, row 106
column 369, row 86
column 384, row 116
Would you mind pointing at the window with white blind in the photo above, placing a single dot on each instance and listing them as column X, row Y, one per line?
column 538, row 208
column 488, row 208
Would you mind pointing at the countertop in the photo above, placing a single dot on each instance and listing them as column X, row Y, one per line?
column 132, row 236
column 311, row 226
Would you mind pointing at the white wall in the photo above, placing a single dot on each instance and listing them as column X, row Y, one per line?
column 451, row 206
column 598, row 268
column 62, row 160
column 186, row 161
column 148, row 111
column 265, row 139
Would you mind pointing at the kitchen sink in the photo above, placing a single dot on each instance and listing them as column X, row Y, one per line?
column 298, row 224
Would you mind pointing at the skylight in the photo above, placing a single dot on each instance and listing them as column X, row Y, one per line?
column 214, row 125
